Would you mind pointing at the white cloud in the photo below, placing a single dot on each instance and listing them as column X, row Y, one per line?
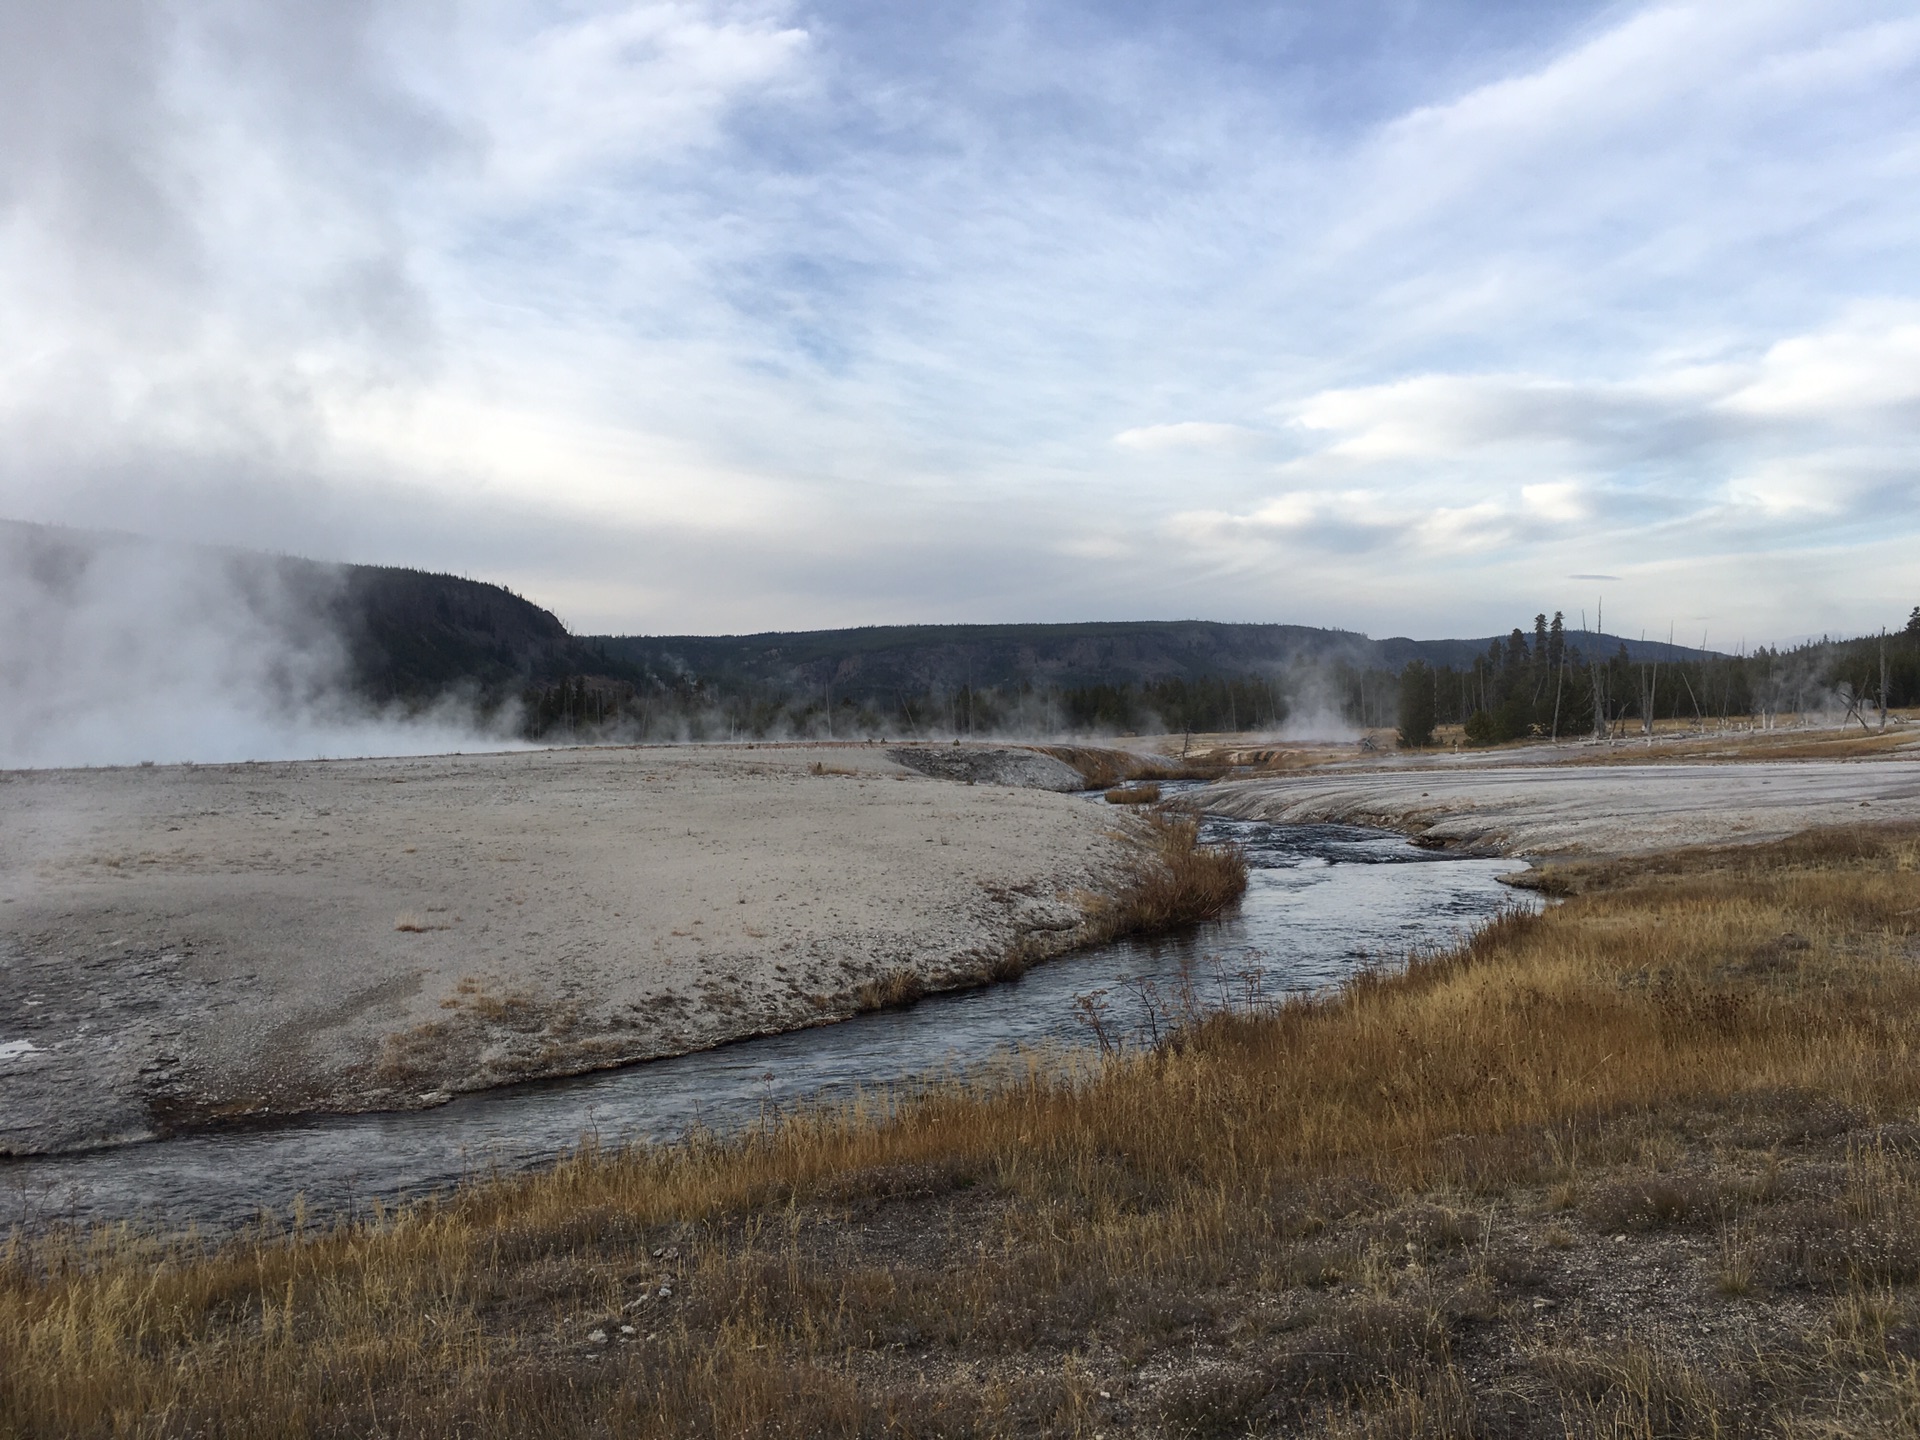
column 1199, row 435
column 1870, row 361
column 1560, row 501
column 1813, row 436
column 554, row 99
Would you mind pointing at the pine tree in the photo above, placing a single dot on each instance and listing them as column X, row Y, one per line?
column 1416, row 706
column 1517, row 649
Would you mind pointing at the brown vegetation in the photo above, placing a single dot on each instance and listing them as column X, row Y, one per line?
column 1173, row 882
column 895, row 988
column 1644, row 1165
column 1103, row 769
column 1133, row 795
column 1176, row 881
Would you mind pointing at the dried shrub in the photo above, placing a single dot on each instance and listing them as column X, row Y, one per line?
column 1635, row 1389
column 1103, row 769
column 1351, row 1350
column 895, row 989
column 1175, row 881
column 1650, row 1202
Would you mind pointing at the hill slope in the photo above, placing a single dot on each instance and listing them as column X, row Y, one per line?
column 882, row 659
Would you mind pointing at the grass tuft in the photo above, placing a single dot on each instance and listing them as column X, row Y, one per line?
column 1176, row 882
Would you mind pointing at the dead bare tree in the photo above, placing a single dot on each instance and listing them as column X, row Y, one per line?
column 1883, row 677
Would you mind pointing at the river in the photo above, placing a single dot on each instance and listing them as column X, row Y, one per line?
column 1322, row 900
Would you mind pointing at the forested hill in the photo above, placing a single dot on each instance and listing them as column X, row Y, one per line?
column 884, row 658
column 395, row 635
column 411, row 635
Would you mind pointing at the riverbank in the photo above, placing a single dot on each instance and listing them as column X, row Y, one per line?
column 1643, row 1164
column 1539, row 810
column 185, row 946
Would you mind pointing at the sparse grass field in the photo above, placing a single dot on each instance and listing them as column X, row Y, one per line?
column 1645, row 1165
column 1676, row 740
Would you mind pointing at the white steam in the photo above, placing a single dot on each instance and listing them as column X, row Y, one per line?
column 115, row 651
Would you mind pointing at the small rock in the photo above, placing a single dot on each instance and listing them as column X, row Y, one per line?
column 1106, row 1394
column 666, row 1292
column 626, row 1330
column 597, row 1337
column 1619, row 1239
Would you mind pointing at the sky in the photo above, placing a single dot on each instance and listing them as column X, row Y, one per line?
column 1407, row 317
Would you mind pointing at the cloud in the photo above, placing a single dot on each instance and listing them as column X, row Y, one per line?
column 1869, row 362
column 1810, row 441
column 721, row 313
column 1195, row 435
column 554, row 99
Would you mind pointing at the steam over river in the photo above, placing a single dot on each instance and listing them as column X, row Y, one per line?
column 1323, row 900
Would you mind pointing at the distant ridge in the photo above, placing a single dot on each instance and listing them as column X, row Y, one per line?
column 880, row 657
column 410, row 635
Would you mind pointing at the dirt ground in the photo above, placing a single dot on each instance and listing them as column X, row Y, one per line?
column 182, row 945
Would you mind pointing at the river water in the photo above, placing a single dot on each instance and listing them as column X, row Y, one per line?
column 1322, row 901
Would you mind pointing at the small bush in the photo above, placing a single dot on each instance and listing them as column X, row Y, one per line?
column 891, row 991
column 1133, row 795
column 1650, row 1202
column 1178, row 881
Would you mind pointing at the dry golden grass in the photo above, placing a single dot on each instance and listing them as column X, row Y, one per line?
column 1295, row 1221
column 1675, row 741
column 890, row 991
column 1148, row 794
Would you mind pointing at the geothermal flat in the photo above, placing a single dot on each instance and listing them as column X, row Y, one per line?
column 1584, row 809
column 182, row 945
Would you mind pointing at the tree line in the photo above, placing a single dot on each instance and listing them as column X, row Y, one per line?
column 1555, row 684
column 1546, row 681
